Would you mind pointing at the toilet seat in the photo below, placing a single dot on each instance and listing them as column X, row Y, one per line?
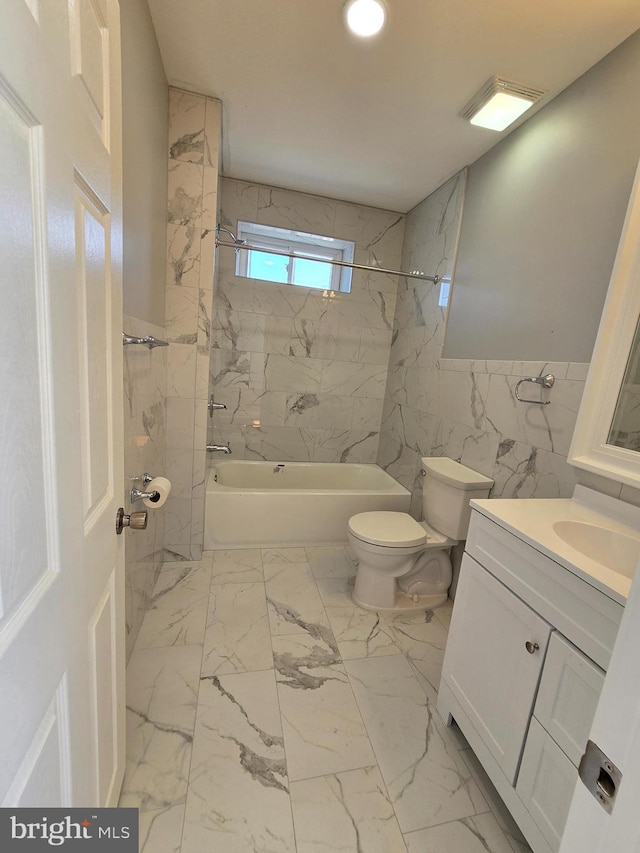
column 388, row 530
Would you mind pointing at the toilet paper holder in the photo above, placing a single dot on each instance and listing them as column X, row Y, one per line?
column 139, row 495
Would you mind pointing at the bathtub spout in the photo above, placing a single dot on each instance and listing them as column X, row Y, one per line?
column 221, row 448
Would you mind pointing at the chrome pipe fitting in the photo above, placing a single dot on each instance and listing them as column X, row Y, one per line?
column 213, row 406
column 138, row 495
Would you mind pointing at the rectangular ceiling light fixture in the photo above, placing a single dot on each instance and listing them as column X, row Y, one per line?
column 499, row 103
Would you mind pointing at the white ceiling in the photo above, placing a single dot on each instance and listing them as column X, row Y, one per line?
column 308, row 107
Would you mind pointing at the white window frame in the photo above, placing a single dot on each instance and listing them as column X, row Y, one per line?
column 312, row 246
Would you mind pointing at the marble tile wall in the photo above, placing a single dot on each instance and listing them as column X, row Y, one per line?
column 145, row 390
column 194, row 133
column 461, row 408
column 302, row 372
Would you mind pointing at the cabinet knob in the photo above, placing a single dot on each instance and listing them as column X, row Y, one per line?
column 532, row 648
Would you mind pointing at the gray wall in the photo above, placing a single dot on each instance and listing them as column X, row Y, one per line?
column 464, row 408
column 145, row 106
column 542, row 219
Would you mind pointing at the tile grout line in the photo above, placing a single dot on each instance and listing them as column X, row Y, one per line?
column 428, row 702
column 275, row 679
column 384, row 781
column 364, row 725
column 373, row 750
column 337, row 773
column 181, row 645
column 452, row 821
column 195, row 719
column 186, row 564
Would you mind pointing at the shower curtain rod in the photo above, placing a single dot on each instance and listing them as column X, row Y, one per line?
column 240, row 245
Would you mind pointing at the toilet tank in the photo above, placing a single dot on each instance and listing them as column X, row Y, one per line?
column 446, row 491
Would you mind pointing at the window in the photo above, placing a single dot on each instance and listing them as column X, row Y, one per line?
column 307, row 265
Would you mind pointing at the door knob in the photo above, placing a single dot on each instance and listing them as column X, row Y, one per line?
column 532, row 648
column 136, row 520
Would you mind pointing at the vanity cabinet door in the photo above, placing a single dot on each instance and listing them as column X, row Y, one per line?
column 545, row 783
column 568, row 696
column 492, row 664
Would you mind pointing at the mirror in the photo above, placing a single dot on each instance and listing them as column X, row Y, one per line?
column 625, row 428
column 606, row 440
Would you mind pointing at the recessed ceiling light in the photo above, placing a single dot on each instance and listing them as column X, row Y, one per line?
column 365, row 18
column 499, row 103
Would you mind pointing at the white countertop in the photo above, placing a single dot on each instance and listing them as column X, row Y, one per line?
column 532, row 520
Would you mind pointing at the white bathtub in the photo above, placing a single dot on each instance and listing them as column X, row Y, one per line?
column 297, row 503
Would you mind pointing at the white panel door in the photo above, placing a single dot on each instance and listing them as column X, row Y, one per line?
column 616, row 726
column 61, row 564
column 616, row 730
column 487, row 665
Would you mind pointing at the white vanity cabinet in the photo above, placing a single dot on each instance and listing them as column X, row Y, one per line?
column 565, row 707
column 523, row 669
column 493, row 665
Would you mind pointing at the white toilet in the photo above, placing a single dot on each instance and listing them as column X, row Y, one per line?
column 404, row 565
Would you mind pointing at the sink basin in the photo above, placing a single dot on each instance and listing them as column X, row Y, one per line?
column 612, row 549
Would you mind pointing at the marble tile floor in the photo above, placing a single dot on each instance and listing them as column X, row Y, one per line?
column 268, row 713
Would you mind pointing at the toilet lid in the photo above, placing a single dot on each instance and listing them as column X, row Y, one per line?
column 393, row 529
